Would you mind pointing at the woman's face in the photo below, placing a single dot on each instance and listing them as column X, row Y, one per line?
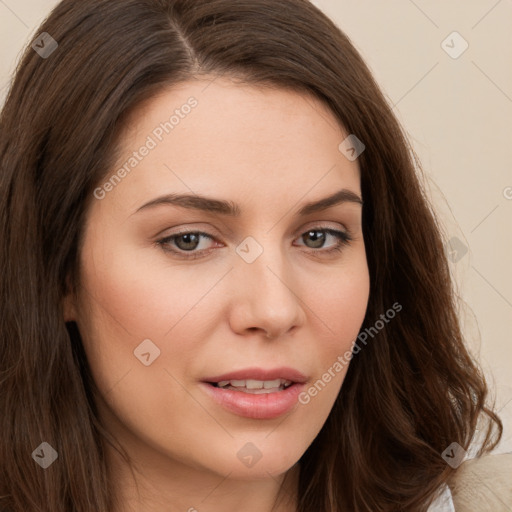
column 262, row 298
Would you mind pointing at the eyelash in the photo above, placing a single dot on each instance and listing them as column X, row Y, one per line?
column 344, row 239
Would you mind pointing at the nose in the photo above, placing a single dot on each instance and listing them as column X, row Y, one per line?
column 264, row 296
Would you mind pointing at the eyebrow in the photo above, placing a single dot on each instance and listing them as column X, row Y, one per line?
column 208, row 204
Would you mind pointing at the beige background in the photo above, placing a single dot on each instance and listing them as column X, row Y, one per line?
column 457, row 113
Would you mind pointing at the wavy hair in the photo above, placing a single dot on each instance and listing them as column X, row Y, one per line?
column 408, row 394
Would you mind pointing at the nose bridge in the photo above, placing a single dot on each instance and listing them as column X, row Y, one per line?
column 265, row 287
column 263, row 263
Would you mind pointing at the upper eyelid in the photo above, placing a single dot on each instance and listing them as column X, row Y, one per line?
column 320, row 225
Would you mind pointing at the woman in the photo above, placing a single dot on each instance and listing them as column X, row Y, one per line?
column 224, row 286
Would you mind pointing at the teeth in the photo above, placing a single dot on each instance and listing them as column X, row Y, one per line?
column 255, row 384
column 268, row 384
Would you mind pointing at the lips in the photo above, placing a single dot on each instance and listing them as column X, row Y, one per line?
column 255, row 392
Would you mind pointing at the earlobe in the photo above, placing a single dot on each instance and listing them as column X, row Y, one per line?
column 68, row 308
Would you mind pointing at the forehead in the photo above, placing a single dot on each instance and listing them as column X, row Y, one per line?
column 222, row 138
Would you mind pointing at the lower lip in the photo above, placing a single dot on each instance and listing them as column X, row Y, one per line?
column 262, row 406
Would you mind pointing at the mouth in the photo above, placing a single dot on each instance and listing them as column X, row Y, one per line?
column 256, row 393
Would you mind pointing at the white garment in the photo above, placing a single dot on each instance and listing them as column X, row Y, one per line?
column 444, row 503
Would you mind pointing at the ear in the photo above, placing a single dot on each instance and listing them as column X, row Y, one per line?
column 69, row 308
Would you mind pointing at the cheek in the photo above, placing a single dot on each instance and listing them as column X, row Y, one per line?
column 132, row 296
column 142, row 294
column 338, row 306
column 339, row 301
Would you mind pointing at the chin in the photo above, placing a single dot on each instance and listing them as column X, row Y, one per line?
column 259, row 459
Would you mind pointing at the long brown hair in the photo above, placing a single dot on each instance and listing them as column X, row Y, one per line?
column 408, row 394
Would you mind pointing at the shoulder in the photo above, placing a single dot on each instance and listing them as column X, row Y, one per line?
column 480, row 483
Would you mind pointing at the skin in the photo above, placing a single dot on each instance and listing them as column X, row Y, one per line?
column 270, row 151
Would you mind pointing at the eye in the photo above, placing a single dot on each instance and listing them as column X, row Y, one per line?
column 184, row 244
column 187, row 241
column 319, row 235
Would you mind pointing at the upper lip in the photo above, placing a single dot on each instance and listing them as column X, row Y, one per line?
column 260, row 374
